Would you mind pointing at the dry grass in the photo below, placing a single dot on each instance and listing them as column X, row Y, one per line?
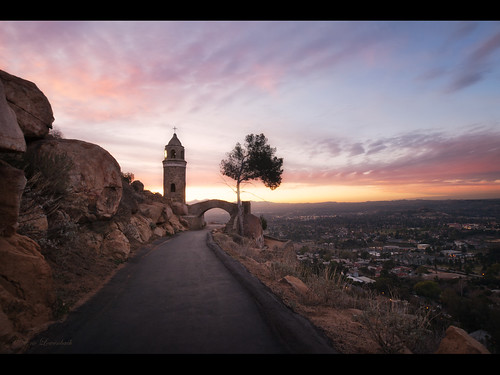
column 356, row 320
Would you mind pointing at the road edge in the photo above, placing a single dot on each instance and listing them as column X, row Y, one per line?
column 295, row 331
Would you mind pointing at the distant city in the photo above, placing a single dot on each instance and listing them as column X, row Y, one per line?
column 442, row 254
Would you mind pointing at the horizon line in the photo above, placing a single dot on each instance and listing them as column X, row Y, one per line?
column 359, row 202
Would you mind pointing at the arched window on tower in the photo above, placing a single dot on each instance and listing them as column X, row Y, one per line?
column 172, row 154
column 172, row 188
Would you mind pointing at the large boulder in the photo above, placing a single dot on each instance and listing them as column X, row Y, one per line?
column 457, row 341
column 179, row 208
column 154, row 211
column 32, row 108
column 296, row 284
column 139, row 229
column 252, row 228
column 11, row 135
column 116, row 245
column 12, row 180
column 95, row 184
column 12, row 183
column 26, row 290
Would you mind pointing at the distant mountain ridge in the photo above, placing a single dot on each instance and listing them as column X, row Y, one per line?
column 465, row 207
column 453, row 207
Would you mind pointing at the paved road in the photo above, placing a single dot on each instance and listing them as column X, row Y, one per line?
column 182, row 296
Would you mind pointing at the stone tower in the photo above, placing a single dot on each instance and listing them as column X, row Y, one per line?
column 174, row 171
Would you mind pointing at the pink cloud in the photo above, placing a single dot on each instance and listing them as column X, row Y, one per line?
column 120, row 64
column 420, row 158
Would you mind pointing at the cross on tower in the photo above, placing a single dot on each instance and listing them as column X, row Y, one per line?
column 175, row 129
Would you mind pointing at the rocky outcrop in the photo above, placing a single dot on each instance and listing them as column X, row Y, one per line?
column 12, row 137
column 31, row 106
column 156, row 212
column 26, row 283
column 67, row 215
column 95, row 183
column 252, row 228
column 457, row 341
column 26, row 289
column 12, row 182
column 116, row 245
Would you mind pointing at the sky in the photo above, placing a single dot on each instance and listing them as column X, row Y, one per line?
column 358, row 110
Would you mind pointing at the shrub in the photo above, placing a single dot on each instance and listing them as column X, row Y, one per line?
column 396, row 330
column 128, row 177
column 48, row 183
column 428, row 289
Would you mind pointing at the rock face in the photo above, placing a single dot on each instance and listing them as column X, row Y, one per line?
column 26, row 288
column 252, row 228
column 31, row 106
column 12, row 182
column 116, row 245
column 457, row 341
column 94, row 179
column 12, row 137
column 26, row 283
column 82, row 233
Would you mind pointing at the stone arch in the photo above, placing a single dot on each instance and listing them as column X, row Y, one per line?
column 216, row 216
column 197, row 210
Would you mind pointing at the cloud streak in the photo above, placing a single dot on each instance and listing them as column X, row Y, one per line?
column 477, row 65
column 338, row 99
column 470, row 56
column 112, row 61
column 410, row 158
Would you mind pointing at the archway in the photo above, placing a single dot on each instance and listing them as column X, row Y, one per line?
column 196, row 212
column 216, row 217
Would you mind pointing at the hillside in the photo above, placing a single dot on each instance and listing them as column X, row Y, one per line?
column 356, row 321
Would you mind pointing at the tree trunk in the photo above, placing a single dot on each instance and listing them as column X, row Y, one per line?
column 240, row 210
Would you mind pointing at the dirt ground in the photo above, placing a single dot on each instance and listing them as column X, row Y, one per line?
column 346, row 334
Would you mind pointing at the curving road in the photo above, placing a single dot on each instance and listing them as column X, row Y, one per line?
column 182, row 296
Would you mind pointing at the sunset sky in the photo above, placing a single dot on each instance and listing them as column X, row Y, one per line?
column 358, row 110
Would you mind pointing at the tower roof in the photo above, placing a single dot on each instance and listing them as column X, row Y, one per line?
column 174, row 141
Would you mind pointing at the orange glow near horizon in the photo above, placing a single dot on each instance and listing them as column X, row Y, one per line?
column 298, row 193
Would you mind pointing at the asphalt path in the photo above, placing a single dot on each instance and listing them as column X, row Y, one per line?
column 182, row 295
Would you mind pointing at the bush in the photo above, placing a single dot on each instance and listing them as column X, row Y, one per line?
column 47, row 185
column 48, row 173
column 428, row 289
column 128, row 177
column 397, row 330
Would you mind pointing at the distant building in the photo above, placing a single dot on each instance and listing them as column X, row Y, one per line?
column 401, row 271
column 451, row 253
column 174, row 171
column 360, row 279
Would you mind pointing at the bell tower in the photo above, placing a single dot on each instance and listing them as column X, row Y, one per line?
column 174, row 171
